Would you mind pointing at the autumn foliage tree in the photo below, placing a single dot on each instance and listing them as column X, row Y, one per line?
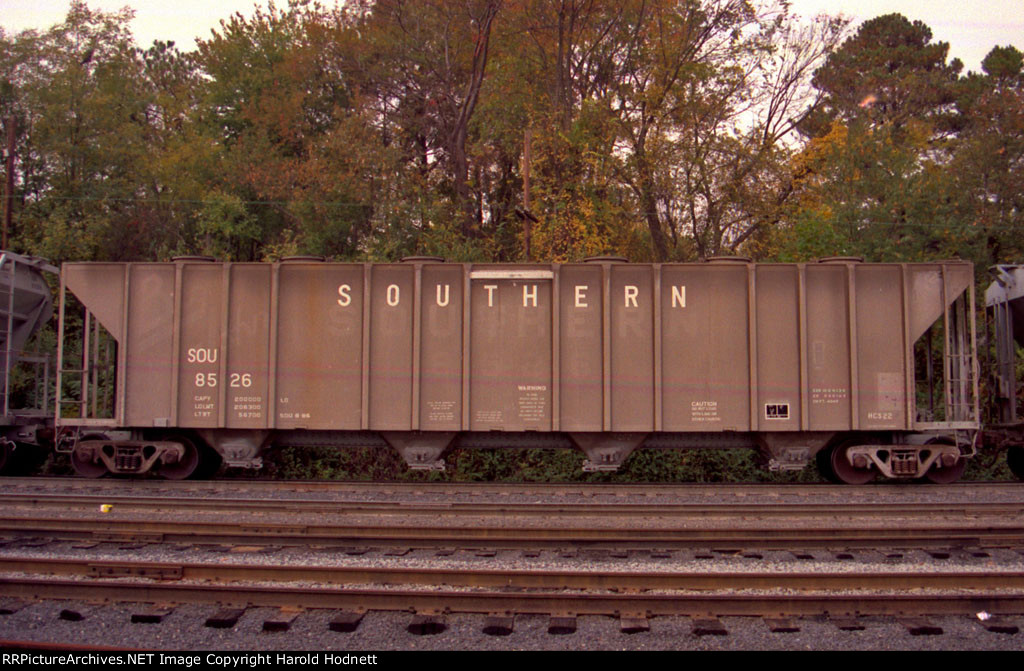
column 658, row 130
column 988, row 165
column 77, row 94
column 875, row 177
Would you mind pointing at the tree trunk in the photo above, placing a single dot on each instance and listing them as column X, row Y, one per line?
column 457, row 138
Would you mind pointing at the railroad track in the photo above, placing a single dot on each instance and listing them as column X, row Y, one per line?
column 614, row 593
column 532, row 517
column 138, row 503
column 712, row 492
column 343, row 537
column 592, row 579
column 38, row 524
column 542, row 602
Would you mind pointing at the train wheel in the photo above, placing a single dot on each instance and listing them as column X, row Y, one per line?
column 944, row 475
column 845, row 471
column 86, row 467
column 209, row 463
column 184, row 467
column 824, row 461
column 1015, row 460
column 6, row 449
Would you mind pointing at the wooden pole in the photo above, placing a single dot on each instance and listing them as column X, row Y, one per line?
column 9, row 193
column 527, row 138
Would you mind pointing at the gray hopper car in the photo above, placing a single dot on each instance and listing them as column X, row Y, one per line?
column 869, row 368
column 25, row 306
column 1004, row 317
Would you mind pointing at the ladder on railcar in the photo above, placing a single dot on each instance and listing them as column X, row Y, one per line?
column 958, row 365
column 97, row 374
column 89, row 385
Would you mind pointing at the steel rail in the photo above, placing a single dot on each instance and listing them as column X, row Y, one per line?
column 511, row 537
column 715, row 491
column 594, row 579
column 67, row 502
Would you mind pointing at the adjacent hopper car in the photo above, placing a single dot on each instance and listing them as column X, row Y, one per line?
column 1004, row 316
column 175, row 367
column 26, row 425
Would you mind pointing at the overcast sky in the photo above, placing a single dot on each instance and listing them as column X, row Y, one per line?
column 971, row 27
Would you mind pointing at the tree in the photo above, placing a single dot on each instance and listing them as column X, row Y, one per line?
column 720, row 114
column 988, row 162
column 424, row 67
column 273, row 100
column 78, row 90
column 675, row 112
column 874, row 177
column 888, row 73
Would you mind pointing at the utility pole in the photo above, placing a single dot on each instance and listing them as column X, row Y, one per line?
column 9, row 193
column 527, row 137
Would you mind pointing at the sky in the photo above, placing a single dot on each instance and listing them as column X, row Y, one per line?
column 970, row 27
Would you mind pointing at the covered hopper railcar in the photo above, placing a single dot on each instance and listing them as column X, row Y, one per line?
column 868, row 367
column 1004, row 321
column 26, row 420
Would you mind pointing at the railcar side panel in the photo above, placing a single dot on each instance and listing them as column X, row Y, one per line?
column 510, row 351
column 705, row 347
column 440, row 351
column 581, row 360
column 392, row 299
column 199, row 349
column 631, row 299
column 319, row 352
column 828, row 348
column 247, row 381
column 149, row 340
column 778, row 348
column 882, row 352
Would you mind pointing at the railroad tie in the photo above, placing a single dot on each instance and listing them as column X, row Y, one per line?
column 846, row 623
column 499, row 624
column 346, row 621
column 562, row 624
column 424, row 624
column 781, row 625
column 151, row 614
column 77, row 614
column 12, row 607
column 225, row 618
column 919, row 626
column 999, row 625
column 708, row 626
column 282, row 621
column 633, row 623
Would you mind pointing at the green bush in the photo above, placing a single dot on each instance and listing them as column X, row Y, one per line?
column 524, row 465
